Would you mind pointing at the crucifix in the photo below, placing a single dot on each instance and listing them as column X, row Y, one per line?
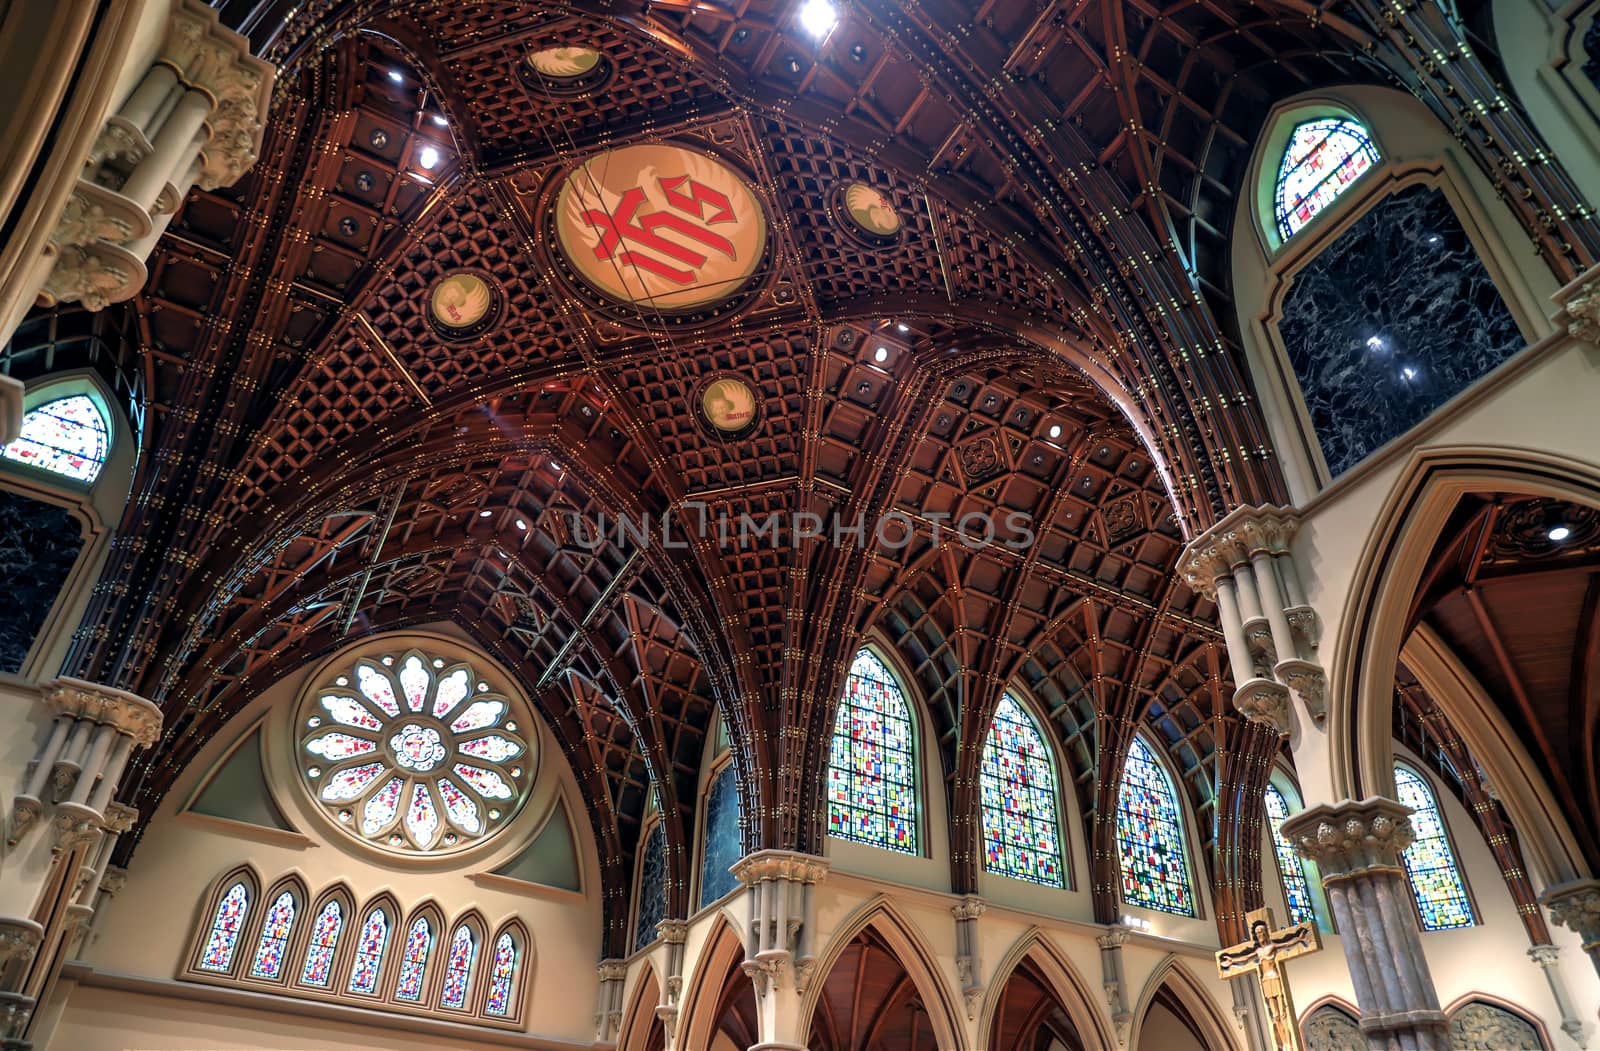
column 1266, row 951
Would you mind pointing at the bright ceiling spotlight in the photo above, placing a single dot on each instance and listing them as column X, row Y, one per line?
column 1055, row 430
column 438, row 118
column 485, row 514
column 881, row 355
column 903, row 327
column 395, row 75
column 522, row 525
column 1559, row 533
column 818, row 17
column 428, row 158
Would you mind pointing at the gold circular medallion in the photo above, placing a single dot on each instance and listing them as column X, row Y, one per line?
column 660, row 226
column 564, row 63
column 871, row 210
column 460, row 301
column 729, row 404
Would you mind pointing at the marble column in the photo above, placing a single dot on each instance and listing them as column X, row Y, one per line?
column 780, row 941
column 1358, row 847
column 1576, row 906
column 674, row 936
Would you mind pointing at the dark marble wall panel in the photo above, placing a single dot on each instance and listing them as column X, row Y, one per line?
column 39, row 543
column 1391, row 320
column 652, row 887
column 723, row 846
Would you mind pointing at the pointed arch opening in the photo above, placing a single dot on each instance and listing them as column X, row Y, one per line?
column 508, row 965
column 414, row 951
column 67, row 436
column 280, row 918
column 330, row 919
column 1037, row 998
column 872, row 760
column 1280, row 801
column 461, row 963
column 379, row 921
column 1020, row 799
column 1437, row 885
column 1321, row 158
column 220, row 944
column 1150, row 835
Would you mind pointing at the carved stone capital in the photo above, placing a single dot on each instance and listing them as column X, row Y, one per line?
column 1545, row 956
column 25, row 813
column 121, row 142
column 19, row 939
column 1115, row 938
column 766, row 972
column 96, row 275
column 1245, row 531
column 1351, row 837
column 1576, row 906
column 114, row 879
column 75, row 826
column 780, row 865
column 673, row 932
column 612, row 970
column 94, row 213
column 1266, row 702
column 129, row 713
column 217, row 60
column 15, row 1012
column 1583, row 313
column 1306, row 681
column 969, row 908
column 120, row 817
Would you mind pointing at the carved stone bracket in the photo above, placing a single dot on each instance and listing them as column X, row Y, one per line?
column 608, row 1008
column 1576, row 906
column 20, row 939
column 1581, row 300
column 126, row 712
column 1264, row 701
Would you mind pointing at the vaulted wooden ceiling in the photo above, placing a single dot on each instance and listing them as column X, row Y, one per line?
column 321, row 463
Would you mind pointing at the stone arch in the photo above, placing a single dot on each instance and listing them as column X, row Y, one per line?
column 716, row 967
column 1484, row 1022
column 879, row 919
column 1071, row 992
column 1332, row 1024
column 641, row 1029
column 1372, row 631
column 1174, row 987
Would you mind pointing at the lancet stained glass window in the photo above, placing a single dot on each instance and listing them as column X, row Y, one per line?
column 369, row 953
column 225, row 927
column 67, row 436
column 274, row 943
column 1296, row 890
column 324, row 940
column 458, row 968
column 1155, row 872
column 1017, row 783
column 1323, row 157
column 652, row 886
column 414, row 960
column 505, row 970
column 872, row 792
column 1435, row 880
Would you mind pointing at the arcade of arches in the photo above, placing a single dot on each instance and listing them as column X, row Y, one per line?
column 860, row 525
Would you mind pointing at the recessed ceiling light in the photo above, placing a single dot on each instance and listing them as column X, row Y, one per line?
column 438, row 118
column 903, row 327
column 818, row 17
column 394, row 75
column 1559, row 533
column 1374, row 342
column 428, row 158
column 1408, row 373
column 522, row 525
column 1055, row 430
column 485, row 514
column 881, row 354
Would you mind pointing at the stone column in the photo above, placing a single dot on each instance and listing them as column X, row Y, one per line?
column 20, row 940
column 1358, row 847
column 1114, row 982
column 969, row 962
column 1548, row 957
column 608, row 1007
column 674, row 933
column 1576, row 906
column 780, row 941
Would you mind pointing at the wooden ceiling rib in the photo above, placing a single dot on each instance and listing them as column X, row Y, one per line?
column 321, row 464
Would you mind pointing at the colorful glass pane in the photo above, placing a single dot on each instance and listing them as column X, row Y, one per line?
column 336, row 746
column 871, row 780
column 505, row 969
column 1017, row 792
column 422, row 818
column 379, row 811
column 494, row 748
column 369, row 952
column 1296, row 891
column 486, row 783
column 414, row 960
column 458, row 968
column 463, row 812
column 350, row 712
column 1155, row 871
column 324, row 940
column 452, row 688
column 67, row 436
column 1323, row 157
column 1435, row 880
column 274, row 938
column 414, row 679
column 348, row 784
column 478, row 715
column 376, row 687
column 652, row 887
column 225, row 928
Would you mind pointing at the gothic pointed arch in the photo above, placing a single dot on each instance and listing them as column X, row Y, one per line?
column 466, row 955
column 508, row 970
column 420, row 945
column 1438, row 886
column 1020, row 798
column 372, row 959
column 220, row 946
column 1296, row 875
column 1152, row 838
column 1057, row 1000
column 275, row 931
column 1176, row 1000
column 331, row 924
column 719, row 998
column 641, row 1028
column 873, row 760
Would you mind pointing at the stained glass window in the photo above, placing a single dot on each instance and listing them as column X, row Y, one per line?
column 1323, row 157
column 324, row 940
column 369, row 952
column 652, row 886
column 458, row 968
column 723, row 844
column 67, row 436
column 1155, row 872
column 413, row 754
column 1017, row 784
column 1435, row 880
column 505, row 970
column 274, row 938
column 225, row 928
column 872, row 794
column 414, row 960
column 1296, row 891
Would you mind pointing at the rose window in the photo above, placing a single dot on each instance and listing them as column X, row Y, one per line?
column 413, row 753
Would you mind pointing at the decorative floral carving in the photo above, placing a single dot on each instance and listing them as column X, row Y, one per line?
column 1484, row 1027
column 1330, row 1029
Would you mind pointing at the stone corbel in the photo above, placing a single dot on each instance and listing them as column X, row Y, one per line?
column 969, row 964
column 1264, row 701
column 1576, row 906
column 1114, row 982
column 779, row 887
column 20, row 939
column 1308, row 682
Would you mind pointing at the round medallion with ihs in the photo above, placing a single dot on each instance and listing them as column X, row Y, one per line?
column 658, row 233
column 463, row 304
column 866, row 213
column 727, row 405
column 565, row 70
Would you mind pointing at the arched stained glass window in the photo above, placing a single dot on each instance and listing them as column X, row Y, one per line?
column 1155, row 871
column 275, row 930
column 414, row 960
column 325, row 930
column 723, row 845
column 225, row 927
column 1296, row 891
column 1324, row 156
column 369, row 952
column 68, row 436
column 1430, row 863
column 501, row 977
column 872, row 791
column 652, row 886
column 458, row 968
column 1017, row 787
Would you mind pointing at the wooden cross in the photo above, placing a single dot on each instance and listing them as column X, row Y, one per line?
column 1266, row 951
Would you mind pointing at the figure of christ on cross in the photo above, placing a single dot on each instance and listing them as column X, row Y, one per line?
column 1266, row 952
